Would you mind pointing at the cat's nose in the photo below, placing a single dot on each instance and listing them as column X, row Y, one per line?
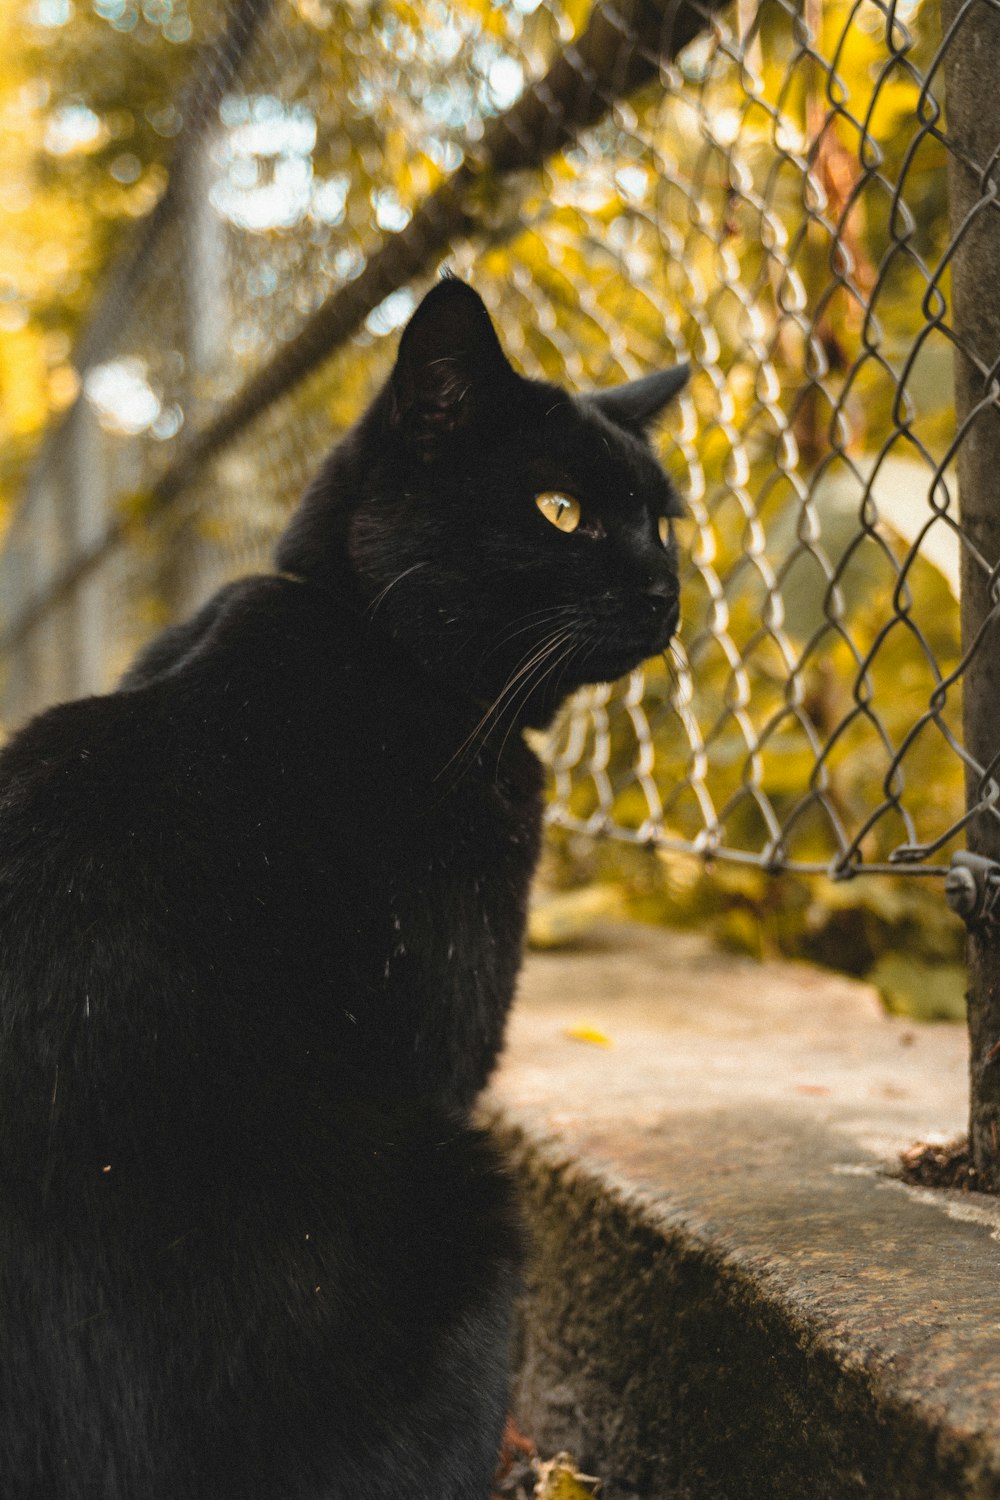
column 662, row 603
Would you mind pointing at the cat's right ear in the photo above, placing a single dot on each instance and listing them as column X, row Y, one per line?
column 637, row 405
column 450, row 369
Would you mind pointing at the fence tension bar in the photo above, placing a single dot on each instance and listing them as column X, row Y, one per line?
column 972, row 888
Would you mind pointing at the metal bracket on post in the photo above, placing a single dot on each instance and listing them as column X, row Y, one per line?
column 972, row 888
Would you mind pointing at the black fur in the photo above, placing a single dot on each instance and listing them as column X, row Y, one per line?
column 261, row 913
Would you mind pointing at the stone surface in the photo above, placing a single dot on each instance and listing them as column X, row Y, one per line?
column 729, row 1295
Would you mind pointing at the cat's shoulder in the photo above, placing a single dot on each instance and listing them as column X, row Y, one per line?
column 250, row 620
column 99, row 744
column 45, row 751
column 68, row 778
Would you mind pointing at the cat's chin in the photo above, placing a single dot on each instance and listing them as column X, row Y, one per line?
column 609, row 666
column 613, row 662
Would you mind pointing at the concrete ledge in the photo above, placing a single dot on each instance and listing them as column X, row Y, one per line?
column 729, row 1297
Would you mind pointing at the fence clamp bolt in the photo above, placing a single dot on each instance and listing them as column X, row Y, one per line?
column 972, row 888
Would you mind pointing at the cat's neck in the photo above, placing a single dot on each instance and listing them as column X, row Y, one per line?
column 452, row 687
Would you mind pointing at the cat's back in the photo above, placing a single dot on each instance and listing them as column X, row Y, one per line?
column 74, row 803
column 106, row 768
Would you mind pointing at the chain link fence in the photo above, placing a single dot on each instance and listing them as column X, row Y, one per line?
column 759, row 188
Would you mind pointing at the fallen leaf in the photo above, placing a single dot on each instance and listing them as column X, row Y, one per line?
column 588, row 1034
column 559, row 1479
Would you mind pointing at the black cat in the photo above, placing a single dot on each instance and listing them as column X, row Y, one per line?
column 261, row 913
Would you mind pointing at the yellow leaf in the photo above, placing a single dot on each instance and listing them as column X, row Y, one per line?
column 559, row 1479
column 588, row 1034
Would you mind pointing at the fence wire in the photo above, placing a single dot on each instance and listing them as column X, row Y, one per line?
column 761, row 189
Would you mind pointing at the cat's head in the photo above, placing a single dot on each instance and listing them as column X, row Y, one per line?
column 515, row 538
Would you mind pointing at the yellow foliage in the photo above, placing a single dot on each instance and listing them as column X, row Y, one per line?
column 24, row 376
column 73, row 94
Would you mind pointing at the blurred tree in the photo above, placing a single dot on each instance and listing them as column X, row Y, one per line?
column 89, row 110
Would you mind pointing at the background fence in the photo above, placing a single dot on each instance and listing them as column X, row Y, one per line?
column 760, row 188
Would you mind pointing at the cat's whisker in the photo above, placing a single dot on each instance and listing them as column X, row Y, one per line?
column 535, row 654
column 531, row 678
column 521, row 682
column 561, row 662
column 380, row 596
column 533, row 620
column 670, row 667
column 528, row 662
column 563, row 665
column 536, row 616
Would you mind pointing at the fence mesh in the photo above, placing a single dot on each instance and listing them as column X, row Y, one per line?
column 759, row 189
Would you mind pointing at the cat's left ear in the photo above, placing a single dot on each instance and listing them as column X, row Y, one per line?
column 450, row 369
column 637, row 404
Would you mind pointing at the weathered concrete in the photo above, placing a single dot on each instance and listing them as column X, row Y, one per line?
column 729, row 1297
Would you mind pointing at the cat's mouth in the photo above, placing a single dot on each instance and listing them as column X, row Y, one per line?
column 649, row 625
column 533, row 670
column 619, row 645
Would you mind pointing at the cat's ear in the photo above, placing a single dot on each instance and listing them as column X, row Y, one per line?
column 450, row 369
column 637, row 404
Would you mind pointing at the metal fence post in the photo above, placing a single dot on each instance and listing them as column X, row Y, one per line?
column 192, row 570
column 972, row 61
column 86, row 500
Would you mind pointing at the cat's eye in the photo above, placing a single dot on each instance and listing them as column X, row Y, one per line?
column 562, row 510
column 665, row 530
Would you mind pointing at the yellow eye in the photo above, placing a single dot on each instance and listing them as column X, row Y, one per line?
column 663, row 527
column 562, row 510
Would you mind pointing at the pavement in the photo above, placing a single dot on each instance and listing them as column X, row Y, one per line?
column 730, row 1293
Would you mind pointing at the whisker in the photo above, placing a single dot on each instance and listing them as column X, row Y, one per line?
column 561, row 662
column 536, row 654
column 530, row 621
column 379, row 597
